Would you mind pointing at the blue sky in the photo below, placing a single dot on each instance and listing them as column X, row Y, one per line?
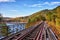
column 17, row 8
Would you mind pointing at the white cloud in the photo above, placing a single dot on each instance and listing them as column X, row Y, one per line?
column 55, row 2
column 7, row 1
column 50, row 3
column 41, row 4
column 46, row 3
column 36, row 5
column 13, row 10
column 33, row 5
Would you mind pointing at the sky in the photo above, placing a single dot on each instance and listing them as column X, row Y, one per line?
column 18, row 8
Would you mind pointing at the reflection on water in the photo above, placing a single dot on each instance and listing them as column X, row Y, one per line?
column 14, row 27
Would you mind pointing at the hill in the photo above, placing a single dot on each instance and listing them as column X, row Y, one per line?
column 48, row 15
column 52, row 17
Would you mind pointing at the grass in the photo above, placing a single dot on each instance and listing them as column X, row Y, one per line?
column 2, row 24
column 56, row 29
column 31, row 24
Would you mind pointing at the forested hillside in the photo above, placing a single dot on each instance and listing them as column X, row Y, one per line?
column 52, row 17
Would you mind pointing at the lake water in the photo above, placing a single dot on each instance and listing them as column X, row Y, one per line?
column 14, row 28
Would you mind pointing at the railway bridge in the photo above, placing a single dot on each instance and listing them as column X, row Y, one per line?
column 38, row 32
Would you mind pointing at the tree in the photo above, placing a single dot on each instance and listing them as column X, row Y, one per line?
column 54, row 18
column 49, row 16
column 4, row 31
column 29, row 20
column 43, row 18
column 1, row 17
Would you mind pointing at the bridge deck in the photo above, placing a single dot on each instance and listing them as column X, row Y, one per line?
column 38, row 32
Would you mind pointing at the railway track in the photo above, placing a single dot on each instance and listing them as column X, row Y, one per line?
column 38, row 32
column 35, row 34
column 51, row 34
